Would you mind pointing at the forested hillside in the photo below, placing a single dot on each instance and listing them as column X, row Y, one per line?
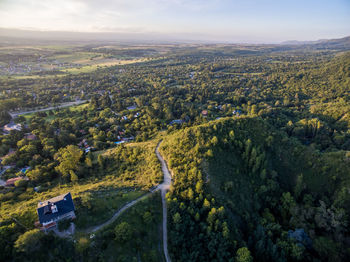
column 241, row 185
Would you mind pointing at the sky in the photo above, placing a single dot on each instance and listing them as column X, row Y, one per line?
column 264, row 21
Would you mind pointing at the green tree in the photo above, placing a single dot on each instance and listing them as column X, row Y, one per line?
column 253, row 110
column 177, row 218
column 106, row 101
column 210, row 153
column 21, row 183
column 190, row 194
column 147, row 217
column 243, row 255
column 199, row 187
column 123, row 232
column 327, row 248
column 88, row 162
column 29, row 241
column 214, row 141
column 206, row 204
column 101, row 161
column 82, row 245
column 73, row 176
column 225, row 230
column 299, row 187
column 68, row 158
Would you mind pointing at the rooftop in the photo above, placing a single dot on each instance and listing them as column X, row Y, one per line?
column 52, row 200
column 54, row 208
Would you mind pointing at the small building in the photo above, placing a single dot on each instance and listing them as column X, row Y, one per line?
column 30, row 136
column 11, row 181
column 9, row 154
column 237, row 112
column 205, row 113
column 37, row 188
column 55, row 209
column 83, row 143
column 219, row 107
column 10, row 127
column 128, row 139
column 131, row 107
column 176, row 122
column 88, row 149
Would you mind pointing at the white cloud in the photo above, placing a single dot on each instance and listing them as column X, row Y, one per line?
column 87, row 15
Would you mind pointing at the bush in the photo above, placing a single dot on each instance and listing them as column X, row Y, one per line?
column 82, row 245
column 123, row 232
column 21, row 183
column 29, row 241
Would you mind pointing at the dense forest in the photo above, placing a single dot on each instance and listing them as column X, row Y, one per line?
column 257, row 139
column 243, row 184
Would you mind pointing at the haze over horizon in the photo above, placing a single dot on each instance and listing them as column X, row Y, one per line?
column 254, row 21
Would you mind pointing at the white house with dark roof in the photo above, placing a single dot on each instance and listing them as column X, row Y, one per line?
column 55, row 209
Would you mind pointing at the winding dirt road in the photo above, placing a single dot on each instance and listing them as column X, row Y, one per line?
column 163, row 187
column 116, row 215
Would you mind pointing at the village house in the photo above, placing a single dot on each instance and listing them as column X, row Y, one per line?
column 55, row 209
column 205, row 113
column 30, row 136
column 9, row 127
column 9, row 154
column 85, row 146
column 11, row 181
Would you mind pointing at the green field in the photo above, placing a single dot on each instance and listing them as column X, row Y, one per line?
column 46, row 61
column 49, row 117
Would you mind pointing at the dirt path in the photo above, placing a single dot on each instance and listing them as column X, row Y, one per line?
column 117, row 214
column 163, row 187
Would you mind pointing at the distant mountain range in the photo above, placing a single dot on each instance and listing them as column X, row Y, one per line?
column 22, row 36
column 341, row 43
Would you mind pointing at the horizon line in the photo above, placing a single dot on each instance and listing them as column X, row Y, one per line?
column 179, row 37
